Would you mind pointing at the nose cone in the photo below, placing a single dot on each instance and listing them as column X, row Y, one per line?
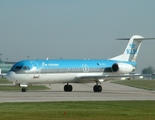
column 10, row 76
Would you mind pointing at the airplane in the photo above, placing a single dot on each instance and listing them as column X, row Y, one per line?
column 27, row 72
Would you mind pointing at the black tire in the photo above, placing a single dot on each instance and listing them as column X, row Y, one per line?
column 65, row 88
column 68, row 88
column 24, row 89
column 95, row 88
column 99, row 88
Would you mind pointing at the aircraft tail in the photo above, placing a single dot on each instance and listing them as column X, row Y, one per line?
column 132, row 48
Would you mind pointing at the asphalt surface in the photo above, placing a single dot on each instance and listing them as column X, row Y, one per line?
column 81, row 92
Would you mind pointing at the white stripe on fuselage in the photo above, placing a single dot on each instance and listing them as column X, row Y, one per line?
column 50, row 78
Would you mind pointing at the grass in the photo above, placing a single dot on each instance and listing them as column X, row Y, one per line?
column 143, row 84
column 97, row 110
column 4, row 81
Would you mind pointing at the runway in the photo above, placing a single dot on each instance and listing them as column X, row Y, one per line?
column 81, row 92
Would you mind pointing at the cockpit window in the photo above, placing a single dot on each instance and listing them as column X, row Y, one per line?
column 18, row 67
column 26, row 68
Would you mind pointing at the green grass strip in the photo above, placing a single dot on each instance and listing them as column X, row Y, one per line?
column 4, row 81
column 143, row 84
column 97, row 110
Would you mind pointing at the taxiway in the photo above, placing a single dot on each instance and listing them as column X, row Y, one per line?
column 81, row 92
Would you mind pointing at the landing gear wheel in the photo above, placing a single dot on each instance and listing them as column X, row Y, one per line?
column 97, row 88
column 68, row 88
column 24, row 89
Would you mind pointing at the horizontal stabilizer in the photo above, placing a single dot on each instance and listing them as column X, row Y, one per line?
column 135, row 38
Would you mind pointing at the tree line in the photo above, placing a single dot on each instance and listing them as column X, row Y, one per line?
column 149, row 70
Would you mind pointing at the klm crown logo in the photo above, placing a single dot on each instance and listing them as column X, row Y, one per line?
column 132, row 49
column 132, row 45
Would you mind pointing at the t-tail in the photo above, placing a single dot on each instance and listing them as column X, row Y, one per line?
column 132, row 48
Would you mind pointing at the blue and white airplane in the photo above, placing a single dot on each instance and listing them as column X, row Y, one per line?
column 27, row 72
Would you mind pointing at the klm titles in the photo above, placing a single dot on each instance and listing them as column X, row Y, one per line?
column 132, row 49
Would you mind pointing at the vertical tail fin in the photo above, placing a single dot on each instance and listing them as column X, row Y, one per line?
column 132, row 48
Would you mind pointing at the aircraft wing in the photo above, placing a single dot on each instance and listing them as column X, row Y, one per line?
column 101, row 78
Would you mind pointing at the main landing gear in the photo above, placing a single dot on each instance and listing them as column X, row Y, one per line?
column 24, row 89
column 68, row 88
column 97, row 88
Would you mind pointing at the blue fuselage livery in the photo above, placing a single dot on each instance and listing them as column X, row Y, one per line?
column 65, row 66
column 27, row 72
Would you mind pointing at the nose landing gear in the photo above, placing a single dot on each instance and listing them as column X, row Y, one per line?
column 68, row 88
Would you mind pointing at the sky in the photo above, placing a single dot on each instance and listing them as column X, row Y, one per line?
column 75, row 29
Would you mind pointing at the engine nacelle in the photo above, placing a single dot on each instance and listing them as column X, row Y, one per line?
column 122, row 68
